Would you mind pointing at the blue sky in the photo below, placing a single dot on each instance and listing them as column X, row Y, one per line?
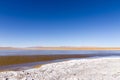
column 26, row 23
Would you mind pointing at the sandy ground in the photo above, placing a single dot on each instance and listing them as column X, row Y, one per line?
column 60, row 48
column 79, row 69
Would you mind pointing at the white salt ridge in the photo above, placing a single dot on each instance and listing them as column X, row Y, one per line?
column 79, row 69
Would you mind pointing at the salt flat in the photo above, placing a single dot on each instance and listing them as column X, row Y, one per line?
column 77, row 69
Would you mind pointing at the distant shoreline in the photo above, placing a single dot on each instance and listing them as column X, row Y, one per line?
column 60, row 48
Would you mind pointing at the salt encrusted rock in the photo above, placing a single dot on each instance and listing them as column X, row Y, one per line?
column 81, row 69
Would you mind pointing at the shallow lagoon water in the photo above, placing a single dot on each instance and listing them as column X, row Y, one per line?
column 17, row 59
column 55, row 52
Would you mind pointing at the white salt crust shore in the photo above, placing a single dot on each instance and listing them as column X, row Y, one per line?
column 79, row 69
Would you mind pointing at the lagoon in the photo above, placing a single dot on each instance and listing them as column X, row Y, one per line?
column 22, row 59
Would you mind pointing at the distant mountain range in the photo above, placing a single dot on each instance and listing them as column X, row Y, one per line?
column 60, row 48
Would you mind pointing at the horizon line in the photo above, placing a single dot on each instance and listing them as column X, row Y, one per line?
column 60, row 48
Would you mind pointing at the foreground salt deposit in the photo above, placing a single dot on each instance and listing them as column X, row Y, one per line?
column 79, row 69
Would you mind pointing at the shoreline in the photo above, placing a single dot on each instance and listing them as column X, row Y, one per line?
column 92, row 68
column 60, row 48
column 16, row 62
column 9, row 60
column 30, row 65
column 28, row 61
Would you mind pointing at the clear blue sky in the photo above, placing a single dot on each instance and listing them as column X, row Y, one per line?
column 59, row 23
